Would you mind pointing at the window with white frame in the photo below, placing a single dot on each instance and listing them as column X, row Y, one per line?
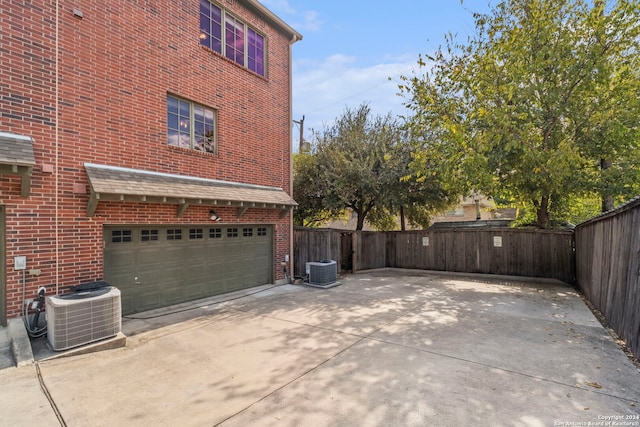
column 229, row 36
column 190, row 125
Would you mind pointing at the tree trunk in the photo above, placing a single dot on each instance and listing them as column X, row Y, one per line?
column 542, row 211
column 360, row 223
column 402, row 226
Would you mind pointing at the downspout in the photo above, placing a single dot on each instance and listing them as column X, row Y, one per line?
column 56, row 147
column 294, row 39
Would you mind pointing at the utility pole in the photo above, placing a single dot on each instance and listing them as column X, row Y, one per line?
column 301, row 124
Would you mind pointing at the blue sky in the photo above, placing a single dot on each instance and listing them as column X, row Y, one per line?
column 351, row 48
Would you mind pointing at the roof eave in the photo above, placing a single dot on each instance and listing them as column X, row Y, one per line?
column 269, row 15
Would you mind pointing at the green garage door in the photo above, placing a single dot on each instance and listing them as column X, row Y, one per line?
column 156, row 266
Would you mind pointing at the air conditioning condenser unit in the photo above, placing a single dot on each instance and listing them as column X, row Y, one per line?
column 80, row 318
column 322, row 274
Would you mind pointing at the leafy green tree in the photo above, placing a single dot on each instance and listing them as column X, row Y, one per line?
column 361, row 164
column 530, row 106
column 415, row 199
column 354, row 157
column 310, row 211
column 609, row 128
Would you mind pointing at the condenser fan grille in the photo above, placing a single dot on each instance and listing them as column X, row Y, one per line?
column 323, row 274
column 78, row 319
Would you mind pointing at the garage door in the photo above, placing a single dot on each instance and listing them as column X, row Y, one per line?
column 156, row 266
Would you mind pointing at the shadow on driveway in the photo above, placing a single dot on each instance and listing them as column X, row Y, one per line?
column 387, row 348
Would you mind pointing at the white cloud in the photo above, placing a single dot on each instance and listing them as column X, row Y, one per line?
column 322, row 91
column 307, row 20
column 311, row 21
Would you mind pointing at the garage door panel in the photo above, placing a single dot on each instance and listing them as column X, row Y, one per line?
column 232, row 285
column 195, row 291
column 156, row 266
column 196, row 251
column 122, row 261
column 128, row 303
column 173, row 294
column 148, row 301
column 215, row 287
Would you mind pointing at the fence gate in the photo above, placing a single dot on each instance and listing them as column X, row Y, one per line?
column 346, row 252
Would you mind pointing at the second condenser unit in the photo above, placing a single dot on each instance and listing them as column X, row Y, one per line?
column 322, row 274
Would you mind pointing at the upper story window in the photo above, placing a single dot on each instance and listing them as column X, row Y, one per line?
column 238, row 42
column 190, row 125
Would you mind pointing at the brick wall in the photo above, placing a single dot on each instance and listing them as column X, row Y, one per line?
column 115, row 68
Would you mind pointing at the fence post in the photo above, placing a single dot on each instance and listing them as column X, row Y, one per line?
column 355, row 251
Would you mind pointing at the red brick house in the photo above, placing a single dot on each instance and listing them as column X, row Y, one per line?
column 146, row 144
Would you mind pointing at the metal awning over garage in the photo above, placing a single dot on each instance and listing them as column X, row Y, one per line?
column 111, row 183
column 16, row 158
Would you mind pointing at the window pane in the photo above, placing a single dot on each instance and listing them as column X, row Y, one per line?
column 184, row 140
column 172, row 121
column 216, row 29
column 230, row 52
column 205, row 7
column 209, row 132
column 205, row 30
column 199, row 142
column 198, row 113
column 204, row 130
column 255, row 52
column 199, row 129
column 216, row 15
column 173, row 138
column 210, row 26
column 234, row 33
column 184, row 125
column 172, row 104
column 184, row 108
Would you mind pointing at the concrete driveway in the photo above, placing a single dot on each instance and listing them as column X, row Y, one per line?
column 387, row 348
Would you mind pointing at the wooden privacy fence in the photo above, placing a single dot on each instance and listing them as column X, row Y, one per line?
column 608, row 268
column 532, row 253
column 493, row 251
column 315, row 244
